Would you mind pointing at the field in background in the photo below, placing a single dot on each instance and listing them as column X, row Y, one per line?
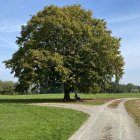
column 82, row 96
column 27, row 122
column 92, row 99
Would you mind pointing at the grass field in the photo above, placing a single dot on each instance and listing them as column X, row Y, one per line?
column 133, row 108
column 84, row 96
column 19, row 121
column 26, row 122
column 87, row 98
column 111, row 95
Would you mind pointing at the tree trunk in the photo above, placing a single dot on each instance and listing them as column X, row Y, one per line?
column 66, row 94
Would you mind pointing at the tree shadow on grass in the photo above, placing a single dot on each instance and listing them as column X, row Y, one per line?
column 35, row 101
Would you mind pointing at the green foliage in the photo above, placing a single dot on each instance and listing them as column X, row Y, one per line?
column 26, row 122
column 7, row 87
column 51, row 90
column 122, row 88
column 66, row 46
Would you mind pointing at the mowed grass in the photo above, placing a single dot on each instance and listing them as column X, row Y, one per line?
column 133, row 108
column 28, row 122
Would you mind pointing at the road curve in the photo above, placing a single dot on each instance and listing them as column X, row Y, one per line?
column 104, row 123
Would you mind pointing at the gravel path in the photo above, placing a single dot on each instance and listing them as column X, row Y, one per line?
column 104, row 123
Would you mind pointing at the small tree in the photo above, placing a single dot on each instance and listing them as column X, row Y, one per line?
column 66, row 46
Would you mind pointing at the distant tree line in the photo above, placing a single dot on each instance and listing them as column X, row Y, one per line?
column 7, row 87
column 122, row 88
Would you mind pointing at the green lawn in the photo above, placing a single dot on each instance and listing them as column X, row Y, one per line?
column 26, row 122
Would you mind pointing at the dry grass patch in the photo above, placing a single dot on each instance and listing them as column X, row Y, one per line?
column 133, row 108
column 114, row 104
column 97, row 101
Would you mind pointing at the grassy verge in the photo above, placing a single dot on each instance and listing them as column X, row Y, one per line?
column 24, row 122
column 133, row 108
column 110, row 95
column 97, row 101
column 114, row 104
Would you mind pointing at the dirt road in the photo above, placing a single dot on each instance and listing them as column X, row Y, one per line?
column 104, row 123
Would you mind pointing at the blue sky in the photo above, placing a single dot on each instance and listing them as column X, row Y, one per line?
column 122, row 16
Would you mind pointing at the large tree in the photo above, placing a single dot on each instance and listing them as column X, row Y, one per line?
column 66, row 46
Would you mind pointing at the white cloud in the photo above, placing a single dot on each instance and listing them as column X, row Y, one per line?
column 123, row 19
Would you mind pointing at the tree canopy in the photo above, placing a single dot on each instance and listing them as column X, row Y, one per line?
column 66, row 46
